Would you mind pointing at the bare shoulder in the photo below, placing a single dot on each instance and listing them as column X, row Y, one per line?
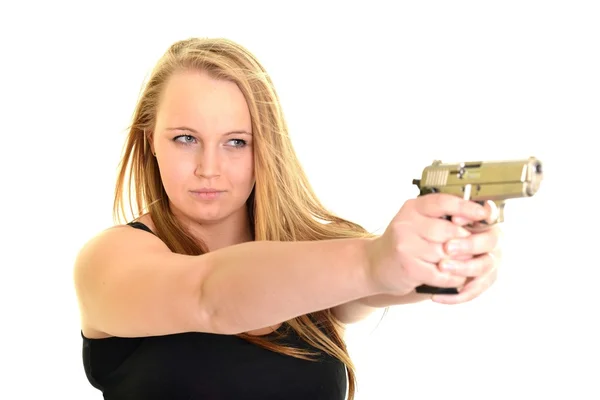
column 113, row 240
column 129, row 283
column 101, row 250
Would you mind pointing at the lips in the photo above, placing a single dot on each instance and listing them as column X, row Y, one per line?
column 206, row 193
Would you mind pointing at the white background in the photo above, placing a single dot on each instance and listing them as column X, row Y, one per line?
column 373, row 93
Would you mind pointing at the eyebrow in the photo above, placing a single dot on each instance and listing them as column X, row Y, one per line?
column 185, row 128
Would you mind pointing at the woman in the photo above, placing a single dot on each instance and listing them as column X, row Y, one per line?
column 235, row 282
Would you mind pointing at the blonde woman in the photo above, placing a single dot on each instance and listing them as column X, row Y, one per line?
column 234, row 282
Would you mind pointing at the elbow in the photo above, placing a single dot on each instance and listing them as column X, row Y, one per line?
column 209, row 315
column 212, row 321
column 214, row 315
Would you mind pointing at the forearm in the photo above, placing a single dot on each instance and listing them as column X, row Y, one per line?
column 386, row 300
column 360, row 309
column 258, row 284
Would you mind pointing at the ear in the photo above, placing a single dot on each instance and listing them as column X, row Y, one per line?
column 148, row 138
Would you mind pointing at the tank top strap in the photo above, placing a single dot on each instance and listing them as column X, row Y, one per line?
column 140, row 225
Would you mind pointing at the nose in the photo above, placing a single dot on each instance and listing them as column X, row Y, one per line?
column 208, row 163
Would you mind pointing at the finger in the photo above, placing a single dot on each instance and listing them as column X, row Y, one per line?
column 472, row 226
column 461, row 221
column 438, row 230
column 429, row 274
column 476, row 266
column 492, row 210
column 426, row 251
column 424, row 238
column 477, row 243
column 439, row 205
column 493, row 213
column 472, row 289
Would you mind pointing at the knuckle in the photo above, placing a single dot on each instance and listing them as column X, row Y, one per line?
column 469, row 208
column 400, row 226
column 447, row 231
column 439, row 199
column 455, row 231
column 411, row 204
column 434, row 234
column 430, row 255
column 438, row 250
column 433, row 201
column 414, row 202
column 402, row 247
column 442, row 231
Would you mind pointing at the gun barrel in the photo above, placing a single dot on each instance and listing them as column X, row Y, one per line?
column 486, row 180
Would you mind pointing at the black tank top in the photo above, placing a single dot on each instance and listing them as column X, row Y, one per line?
column 205, row 366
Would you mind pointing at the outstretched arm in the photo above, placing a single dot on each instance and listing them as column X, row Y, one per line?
column 357, row 310
column 130, row 284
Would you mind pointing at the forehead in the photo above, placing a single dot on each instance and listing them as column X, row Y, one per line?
column 195, row 99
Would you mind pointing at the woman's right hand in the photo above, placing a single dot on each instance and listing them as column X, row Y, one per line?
column 409, row 251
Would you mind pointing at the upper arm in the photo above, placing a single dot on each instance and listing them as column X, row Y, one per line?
column 130, row 284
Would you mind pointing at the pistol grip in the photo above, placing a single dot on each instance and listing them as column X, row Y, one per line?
column 426, row 289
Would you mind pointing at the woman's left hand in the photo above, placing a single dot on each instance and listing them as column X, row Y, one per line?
column 477, row 258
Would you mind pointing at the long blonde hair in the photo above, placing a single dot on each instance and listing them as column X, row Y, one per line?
column 282, row 192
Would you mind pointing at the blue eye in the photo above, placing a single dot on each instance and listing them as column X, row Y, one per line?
column 187, row 139
column 238, row 143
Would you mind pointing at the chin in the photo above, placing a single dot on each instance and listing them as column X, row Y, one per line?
column 214, row 213
column 209, row 216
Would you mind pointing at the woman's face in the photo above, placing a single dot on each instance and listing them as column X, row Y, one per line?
column 203, row 145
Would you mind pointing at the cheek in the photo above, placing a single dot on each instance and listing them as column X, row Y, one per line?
column 175, row 170
column 242, row 173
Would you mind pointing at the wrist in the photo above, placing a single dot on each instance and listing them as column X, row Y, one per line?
column 372, row 253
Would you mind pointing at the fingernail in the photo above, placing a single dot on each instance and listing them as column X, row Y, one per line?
column 448, row 265
column 453, row 246
column 462, row 232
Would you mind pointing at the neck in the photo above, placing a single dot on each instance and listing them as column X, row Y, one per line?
column 234, row 229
